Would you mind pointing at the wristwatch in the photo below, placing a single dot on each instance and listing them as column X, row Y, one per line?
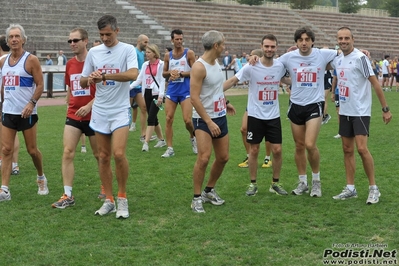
column 385, row 109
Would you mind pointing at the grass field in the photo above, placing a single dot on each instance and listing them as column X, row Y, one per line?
column 262, row 230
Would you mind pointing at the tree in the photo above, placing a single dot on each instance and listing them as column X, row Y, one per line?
column 376, row 4
column 392, row 6
column 323, row 3
column 250, row 2
column 349, row 6
column 302, row 4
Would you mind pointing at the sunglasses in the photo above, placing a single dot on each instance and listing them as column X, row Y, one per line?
column 74, row 40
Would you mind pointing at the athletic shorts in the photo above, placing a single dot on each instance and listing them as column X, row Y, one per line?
column 385, row 75
column 199, row 124
column 299, row 114
column 350, row 126
column 397, row 78
column 336, row 100
column 18, row 123
column 178, row 99
column 81, row 125
column 268, row 129
column 134, row 92
column 106, row 124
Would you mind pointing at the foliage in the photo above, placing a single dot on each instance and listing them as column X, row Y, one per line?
column 250, row 2
column 323, row 3
column 375, row 4
column 392, row 6
column 349, row 6
column 302, row 4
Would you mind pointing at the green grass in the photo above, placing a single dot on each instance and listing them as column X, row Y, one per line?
column 262, row 230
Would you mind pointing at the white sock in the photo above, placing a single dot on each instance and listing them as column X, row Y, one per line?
column 14, row 165
column 373, row 187
column 68, row 191
column 267, row 158
column 351, row 187
column 41, row 177
column 4, row 188
column 133, row 124
column 316, row 176
column 304, row 179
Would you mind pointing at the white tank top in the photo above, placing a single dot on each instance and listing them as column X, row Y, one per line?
column 212, row 96
column 19, row 86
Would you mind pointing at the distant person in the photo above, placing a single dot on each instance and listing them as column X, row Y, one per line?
column 385, row 73
column 136, row 96
column 49, row 61
column 226, row 60
column 355, row 80
column 153, row 85
column 96, row 42
column 19, row 107
column 177, row 68
column 111, row 67
column 61, row 58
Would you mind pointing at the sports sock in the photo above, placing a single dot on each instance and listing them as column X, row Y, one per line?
column 316, row 176
column 111, row 198
column 68, row 191
column 4, row 188
column 267, row 158
column 208, row 189
column 351, row 187
column 121, row 195
column 304, row 179
column 275, row 180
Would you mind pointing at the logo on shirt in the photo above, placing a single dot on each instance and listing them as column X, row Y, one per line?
column 342, row 73
column 268, row 77
column 304, row 64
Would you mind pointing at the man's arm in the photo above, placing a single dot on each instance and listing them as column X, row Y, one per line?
column 386, row 116
column 165, row 72
column 35, row 69
column 230, row 83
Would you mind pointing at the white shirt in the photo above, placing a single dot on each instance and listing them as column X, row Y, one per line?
column 263, row 89
column 307, row 74
column 114, row 96
column 353, row 72
column 385, row 67
column 211, row 95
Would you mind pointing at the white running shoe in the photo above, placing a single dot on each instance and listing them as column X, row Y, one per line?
column 160, row 144
column 5, row 195
column 42, row 186
column 153, row 137
column 338, row 136
column 106, row 208
column 145, row 147
column 168, row 153
column 123, row 208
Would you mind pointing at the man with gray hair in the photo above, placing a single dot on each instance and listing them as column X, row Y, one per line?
column 22, row 88
column 209, row 119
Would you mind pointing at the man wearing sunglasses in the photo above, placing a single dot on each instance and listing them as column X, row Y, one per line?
column 111, row 67
column 80, row 101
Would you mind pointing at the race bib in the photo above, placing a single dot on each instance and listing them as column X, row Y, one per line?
column 109, row 70
column 306, row 77
column 11, row 83
column 219, row 105
column 343, row 93
column 76, row 90
column 267, row 96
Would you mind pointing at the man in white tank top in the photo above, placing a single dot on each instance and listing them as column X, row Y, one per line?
column 22, row 89
column 4, row 51
column 209, row 119
column 354, row 81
